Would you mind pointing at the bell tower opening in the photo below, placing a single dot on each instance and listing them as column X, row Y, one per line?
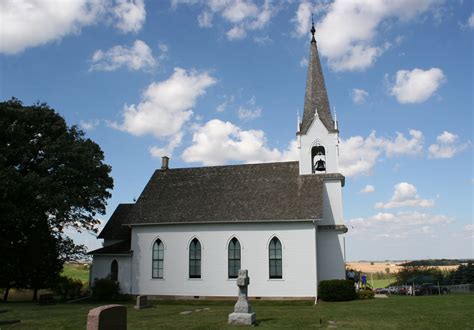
column 318, row 159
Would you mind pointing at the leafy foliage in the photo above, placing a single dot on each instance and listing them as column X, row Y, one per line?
column 52, row 177
column 337, row 290
column 365, row 294
column 437, row 262
column 463, row 275
column 419, row 275
column 68, row 288
column 105, row 289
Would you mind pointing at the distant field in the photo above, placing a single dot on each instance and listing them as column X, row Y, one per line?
column 381, row 267
column 79, row 272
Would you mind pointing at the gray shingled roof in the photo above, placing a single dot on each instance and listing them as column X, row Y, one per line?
column 113, row 249
column 113, row 228
column 253, row 192
column 316, row 96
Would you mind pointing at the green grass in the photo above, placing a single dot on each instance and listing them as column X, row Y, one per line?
column 76, row 271
column 383, row 282
column 430, row 312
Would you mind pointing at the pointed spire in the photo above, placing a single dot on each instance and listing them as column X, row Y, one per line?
column 313, row 30
column 316, row 102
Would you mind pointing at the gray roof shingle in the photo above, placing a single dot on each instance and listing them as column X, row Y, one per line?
column 235, row 193
column 113, row 249
column 113, row 228
column 316, row 96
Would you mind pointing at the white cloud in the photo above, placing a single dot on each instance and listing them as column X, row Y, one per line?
column 165, row 106
column 346, row 34
column 447, row 146
column 470, row 21
column 32, row 23
column 304, row 62
column 218, row 142
column 250, row 110
column 405, row 195
column 168, row 149
column 416, row 86
column 398, row 225
column 137, row 57
column 89, row 124
column 249, row 114
column 239, row 10
column 205, row 19
column 242, row 15
column 367, row 189
column 302, row 19
column 264, row 40
column 237, row 32
column 359, row 96
column 469, row 230
column 129, row 15
column 405, row 146
column 358, row 155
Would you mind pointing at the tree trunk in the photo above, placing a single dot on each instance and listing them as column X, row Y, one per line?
column 35, row 294
column 5, row 294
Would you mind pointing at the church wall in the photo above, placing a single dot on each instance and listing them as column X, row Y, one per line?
column 330, row 256
column 298, row 248
column 318, row 131
column 332, row 203
column 101, row 269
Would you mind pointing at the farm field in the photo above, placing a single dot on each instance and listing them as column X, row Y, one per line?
column 395, row 312
column 381, row 267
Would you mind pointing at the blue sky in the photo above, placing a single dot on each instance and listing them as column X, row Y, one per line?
column 221, row 82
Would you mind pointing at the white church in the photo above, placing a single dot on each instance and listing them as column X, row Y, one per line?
column 192, row 229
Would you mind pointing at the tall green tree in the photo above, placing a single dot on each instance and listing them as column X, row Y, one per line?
column 51, row 177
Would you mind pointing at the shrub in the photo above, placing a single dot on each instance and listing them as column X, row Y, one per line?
column 105, row 289
column 68, row 288
column 337, row 290
column 365, row 294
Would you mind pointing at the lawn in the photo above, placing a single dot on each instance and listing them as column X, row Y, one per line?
column 76, row 271
column 383, row 282
column 430, row 312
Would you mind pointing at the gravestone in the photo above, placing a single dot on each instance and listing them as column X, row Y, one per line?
column 142, row 302
column 108, row 317
column 243, row 313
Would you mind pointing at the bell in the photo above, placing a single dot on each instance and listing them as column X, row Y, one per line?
column 320, row 165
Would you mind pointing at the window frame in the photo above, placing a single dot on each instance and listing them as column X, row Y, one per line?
column 234, row 258
column 194, row 260
column 156, row 258
column 114, row 270
column 275, row 259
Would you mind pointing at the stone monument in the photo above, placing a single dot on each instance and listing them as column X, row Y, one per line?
column 243, row 310
column 142, row 302
column 107, row 317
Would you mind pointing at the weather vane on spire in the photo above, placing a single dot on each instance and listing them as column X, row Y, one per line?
column 313, row 30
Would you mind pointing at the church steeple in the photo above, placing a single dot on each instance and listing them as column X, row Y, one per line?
column 316, row 100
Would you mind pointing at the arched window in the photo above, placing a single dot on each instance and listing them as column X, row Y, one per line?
column 158, row 257
column 195, row 259
column 114, row 271
column 233, row 253
column 274, row 258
